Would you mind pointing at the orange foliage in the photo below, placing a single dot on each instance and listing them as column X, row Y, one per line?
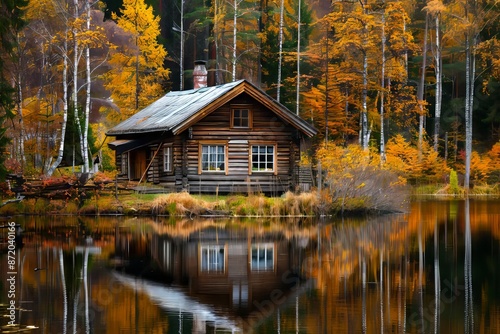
column 404, row 158
column 494, row 155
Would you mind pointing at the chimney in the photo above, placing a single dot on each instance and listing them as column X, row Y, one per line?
column 199, row 74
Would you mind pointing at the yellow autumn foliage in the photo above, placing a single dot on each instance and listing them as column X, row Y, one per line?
column 355, row 178
column 404, row 158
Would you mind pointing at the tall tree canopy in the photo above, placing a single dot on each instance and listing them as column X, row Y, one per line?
column 363, row 72
column 137, row 73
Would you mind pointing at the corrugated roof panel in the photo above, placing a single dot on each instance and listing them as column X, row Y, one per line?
column 171, row 110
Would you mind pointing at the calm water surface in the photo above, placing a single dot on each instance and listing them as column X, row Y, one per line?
column 434, row 270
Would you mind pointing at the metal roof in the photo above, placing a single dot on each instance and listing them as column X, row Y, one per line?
column 173, row 110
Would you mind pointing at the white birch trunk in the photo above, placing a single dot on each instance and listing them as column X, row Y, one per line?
column 382, row 95
column 235, row 30
column 85, row 150
column 470, row 72
column 75, row 80
column 298, row 59
column 56, row 163
column 437, row 64
column 365, row 134
column 20, row 111
column 216, row 41
column 280, row 56
column 420, row 90
column 181, row 61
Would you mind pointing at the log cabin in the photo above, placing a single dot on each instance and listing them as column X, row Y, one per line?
column 230, row 138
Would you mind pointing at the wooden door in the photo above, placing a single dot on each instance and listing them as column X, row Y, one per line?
column 137, row 164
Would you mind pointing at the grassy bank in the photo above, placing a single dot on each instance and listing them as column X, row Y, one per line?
column 453, row 190
column 184, row 204
column 254, row 205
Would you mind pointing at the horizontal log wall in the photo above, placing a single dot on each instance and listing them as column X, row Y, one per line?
column 266, row 128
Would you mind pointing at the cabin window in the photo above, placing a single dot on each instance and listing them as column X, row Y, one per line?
column 124, row 163
column 241, row 118
column 213, row 158
column 263, row 158
column 212, row 259
column 262, row 257
column 167, row 158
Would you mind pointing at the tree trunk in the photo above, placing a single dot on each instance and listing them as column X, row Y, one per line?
column 382, row 92
column 181, row 60
column 470, row 62
column 437, row 63
column 421, row 89
column 75, row 82
column 20, row 109
column 235, row 21
column 280, row 55
column 85, row 150
column 56, row 163
column 365, row 134
column 298, row 60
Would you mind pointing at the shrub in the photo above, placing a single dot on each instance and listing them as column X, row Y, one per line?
column 354, row 175
column 454, row 187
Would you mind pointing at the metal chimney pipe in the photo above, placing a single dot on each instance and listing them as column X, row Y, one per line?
column 200, row 74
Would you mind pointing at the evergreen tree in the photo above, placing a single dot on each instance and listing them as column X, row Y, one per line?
column 10, row 23
column 137, row 71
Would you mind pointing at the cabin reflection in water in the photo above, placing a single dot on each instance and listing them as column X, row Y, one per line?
column 239, row 272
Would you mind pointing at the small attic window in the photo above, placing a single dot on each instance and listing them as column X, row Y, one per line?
column 241, row 117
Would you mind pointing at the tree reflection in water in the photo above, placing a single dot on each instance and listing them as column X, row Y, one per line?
column 400, row 273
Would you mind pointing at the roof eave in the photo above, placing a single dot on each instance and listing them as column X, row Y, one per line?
column 135, row 131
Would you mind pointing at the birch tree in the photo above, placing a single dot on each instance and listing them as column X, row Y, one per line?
column 60, row 151
column 435, row 9
column 280, row 54
column 476, row 18
column 382, row 93
column 421, row 88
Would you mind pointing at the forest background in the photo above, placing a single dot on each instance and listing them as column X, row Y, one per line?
column 406, row 87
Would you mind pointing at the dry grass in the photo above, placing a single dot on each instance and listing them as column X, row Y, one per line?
column 185, row 205
column 181, row 204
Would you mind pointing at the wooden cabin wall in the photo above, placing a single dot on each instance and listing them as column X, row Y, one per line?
column 216, row 126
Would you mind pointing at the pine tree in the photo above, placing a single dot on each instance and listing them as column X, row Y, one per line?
column 10, row 23
column 137, row 73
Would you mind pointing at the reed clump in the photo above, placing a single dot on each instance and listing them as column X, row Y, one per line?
column 181, row 204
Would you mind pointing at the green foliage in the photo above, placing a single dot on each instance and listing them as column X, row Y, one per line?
column 454, row 187
column 10, row 23
column 270, row 48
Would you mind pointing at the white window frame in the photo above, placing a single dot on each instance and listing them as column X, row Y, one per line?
column 209, row 261
column 213, row 165
column 259, row 162
column 125, row 163
column 167, row 158
column 267, row 263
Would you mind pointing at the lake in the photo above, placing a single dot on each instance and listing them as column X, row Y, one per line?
column 433, row 270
